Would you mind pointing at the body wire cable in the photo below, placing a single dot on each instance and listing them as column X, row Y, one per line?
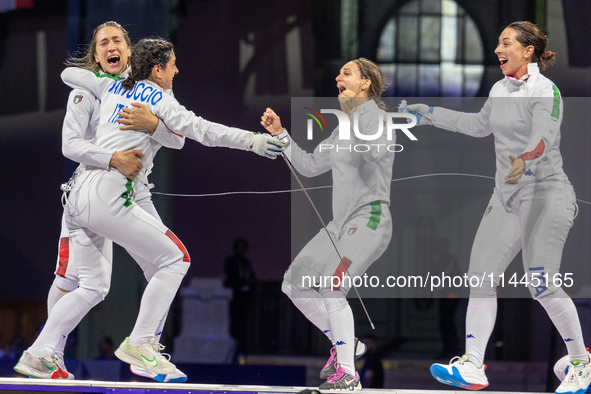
column 329, row 237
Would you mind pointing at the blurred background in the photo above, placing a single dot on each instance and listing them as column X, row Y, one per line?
column 236, row 58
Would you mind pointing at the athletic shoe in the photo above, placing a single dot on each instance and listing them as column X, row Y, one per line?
column 341, row 380
column 329, row 368
column 147, row 355
column 60, row 363
column 41, row 368
column 460, row 372
column 360, row 348
column 177, row 377
column 577, row 378
column 561, row 368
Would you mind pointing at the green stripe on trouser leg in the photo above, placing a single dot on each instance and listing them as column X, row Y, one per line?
column 127, row 194
column 376, row 211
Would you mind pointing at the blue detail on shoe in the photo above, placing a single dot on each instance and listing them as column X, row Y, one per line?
column 469, row 336
column 159, row 333
column 325, row 331
column 581, row 391
column 442, row 375
column 568, row 340
column 160, row 378
column 340, row 343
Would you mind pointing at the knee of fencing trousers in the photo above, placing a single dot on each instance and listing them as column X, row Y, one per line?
column 299, row 279
column 182, row 262
column 92, row 296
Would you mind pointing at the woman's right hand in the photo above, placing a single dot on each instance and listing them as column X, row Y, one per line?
column 422, row 112
column 137, row 118
column 271, row 122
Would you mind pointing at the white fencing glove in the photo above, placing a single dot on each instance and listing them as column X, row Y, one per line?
column 422, row 112
column 264, row 144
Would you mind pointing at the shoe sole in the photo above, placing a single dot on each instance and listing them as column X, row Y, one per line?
column 442, row 376
column 356, row 388
column 159, row 378
column 581, row 391
column 143, row 372
column 121, row 355
column 129, row 359
column 28, row 371
column 162, row 379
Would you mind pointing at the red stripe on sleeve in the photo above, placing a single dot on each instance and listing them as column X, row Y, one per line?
column 537, row 152
column 177, row 134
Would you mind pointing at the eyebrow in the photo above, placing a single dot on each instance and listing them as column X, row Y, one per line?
column 112, row 38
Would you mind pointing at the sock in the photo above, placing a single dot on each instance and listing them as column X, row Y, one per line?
column 155, row 304
column 342, row 324
column 315, row 311
column 563, row 313
column 64, row 317
column 53, row 297
column 480, row 321
column 160, row 328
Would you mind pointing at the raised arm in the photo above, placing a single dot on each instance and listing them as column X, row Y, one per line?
column 307, row 164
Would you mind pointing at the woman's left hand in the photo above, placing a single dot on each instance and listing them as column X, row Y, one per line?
column 517, row 169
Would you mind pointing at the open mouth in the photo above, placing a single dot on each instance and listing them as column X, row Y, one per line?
column 113, row 60
column 503, row 62
column 341, row 88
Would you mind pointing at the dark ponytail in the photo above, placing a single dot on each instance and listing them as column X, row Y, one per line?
column 530, row 34
column 146, row 54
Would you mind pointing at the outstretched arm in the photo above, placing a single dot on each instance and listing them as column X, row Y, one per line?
column 184, row 122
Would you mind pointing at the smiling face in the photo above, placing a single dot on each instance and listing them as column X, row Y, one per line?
column 350, row 78
column 513, row 56
column 112, row 51
column 166, row 74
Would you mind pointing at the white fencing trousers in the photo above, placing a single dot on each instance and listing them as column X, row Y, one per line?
column 541, row 215
column 360, row 241
column 99, row 208
column 96, row 210
column 66, row 273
